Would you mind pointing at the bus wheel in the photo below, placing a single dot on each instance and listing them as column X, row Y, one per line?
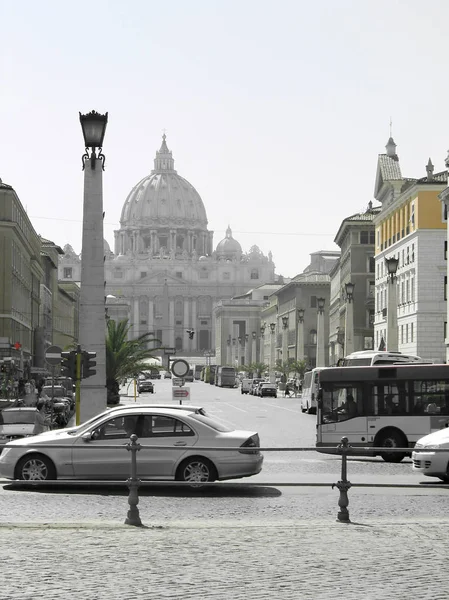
column 391, row 438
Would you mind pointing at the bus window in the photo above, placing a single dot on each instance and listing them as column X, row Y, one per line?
column 341, row 403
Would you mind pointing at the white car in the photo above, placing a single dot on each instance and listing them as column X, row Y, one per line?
column 80, row 454
column 432, row 464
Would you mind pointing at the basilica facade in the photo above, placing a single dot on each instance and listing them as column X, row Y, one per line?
column 164, row 275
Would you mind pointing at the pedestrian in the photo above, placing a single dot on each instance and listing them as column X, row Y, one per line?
column 295, row 388
column 287, row 390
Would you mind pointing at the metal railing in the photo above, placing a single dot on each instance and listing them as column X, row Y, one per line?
column 134, row 482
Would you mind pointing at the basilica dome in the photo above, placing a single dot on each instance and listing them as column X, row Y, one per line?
column 228, row 247
column 164, row 199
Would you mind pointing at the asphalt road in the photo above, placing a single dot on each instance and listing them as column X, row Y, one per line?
column 281, row 424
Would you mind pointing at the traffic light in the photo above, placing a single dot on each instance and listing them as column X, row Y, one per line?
column 191, row 333
column 68, row 364
column 89, row 363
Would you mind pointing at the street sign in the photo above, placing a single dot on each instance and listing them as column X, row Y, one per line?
column 180, row 367
column 181, row 393
column 53, row 355
column 177, row 381
column 169, row 350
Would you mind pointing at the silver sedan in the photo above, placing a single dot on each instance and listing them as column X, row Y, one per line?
column 79, row 453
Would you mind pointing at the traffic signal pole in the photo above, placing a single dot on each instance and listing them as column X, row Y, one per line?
column 78, row 386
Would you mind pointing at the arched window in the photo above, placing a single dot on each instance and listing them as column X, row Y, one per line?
column 254, row 273
column 178, row 343
column 178, row 308
column 312, row 337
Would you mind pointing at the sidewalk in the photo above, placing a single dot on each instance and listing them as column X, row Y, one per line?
column 222, row 560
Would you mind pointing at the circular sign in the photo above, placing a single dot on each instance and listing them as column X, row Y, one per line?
column 180, row 368
column 53, row 355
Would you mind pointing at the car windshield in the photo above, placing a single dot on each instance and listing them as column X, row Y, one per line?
column 56, row 392
column 17, row 417
column 214, row 423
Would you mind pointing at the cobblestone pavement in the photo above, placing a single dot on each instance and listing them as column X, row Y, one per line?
column 301, row 560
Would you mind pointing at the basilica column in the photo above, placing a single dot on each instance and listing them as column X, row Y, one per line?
column 228, row 352
column 116, row 243
column 150, row 316
column 171, row 322
column 194, row 323
column 136, row 320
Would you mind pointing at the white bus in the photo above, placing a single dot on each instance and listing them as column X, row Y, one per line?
column 365, row 358
column 389, row 406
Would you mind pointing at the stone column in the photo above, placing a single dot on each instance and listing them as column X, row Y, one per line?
column 254, row 347
column 171, row 322
column 300, row 335
column 247, row 350
column 272, row 352
column 92, row 302
column 320, row 356
column 150, row 316
column 228, row 352
column 349, row 327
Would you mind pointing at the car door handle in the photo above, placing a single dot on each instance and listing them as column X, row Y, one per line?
column 180, row 444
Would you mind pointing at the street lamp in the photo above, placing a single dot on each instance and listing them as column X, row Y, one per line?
column 320, row 359
column 349, row 325
column 228, row 351
column 247, row 350
column 94, row 127
column 92, row 300
column 285, row 340
column 392, row 309
column 254, row 348
column 300, row 335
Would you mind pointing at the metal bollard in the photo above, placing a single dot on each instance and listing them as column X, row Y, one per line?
column 343, row 485
column 133, row 517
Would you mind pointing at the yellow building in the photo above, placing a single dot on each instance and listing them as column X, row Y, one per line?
column 411, row 227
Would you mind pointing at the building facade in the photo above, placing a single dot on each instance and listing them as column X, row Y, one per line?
column 412, row 227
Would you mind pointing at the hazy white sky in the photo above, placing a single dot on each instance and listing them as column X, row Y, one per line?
column 274, row 111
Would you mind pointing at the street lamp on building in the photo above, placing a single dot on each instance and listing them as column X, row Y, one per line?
column 392, row 309
column 92, row 300
column 300, row 334
column 320, row 358
column 228, row 351
column 247, row 350
column 349, row 325
column 254, row 348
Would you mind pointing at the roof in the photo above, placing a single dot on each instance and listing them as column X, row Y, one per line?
column 389, row 167
column 49, row 244
column 437, row 178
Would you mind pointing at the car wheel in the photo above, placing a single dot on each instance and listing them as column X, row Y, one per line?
column 196, row 471
column 35, row 467
column 391, row 439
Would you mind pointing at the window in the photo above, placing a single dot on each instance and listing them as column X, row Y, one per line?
column 402, row 334
column 143, row 321
column 178, row 322
column 254, row 273
column 118, row 274
column 371, row 289
column 444, row 212
column 312, row 336
column 204, row 274
column 162, row 426
column 412, row 289
column 406, row 333
column 413, row 252
column 411, row 332
column 227, row 275
column 312, row 301
column 367, row 237
column 68, row 273
column 407, row 291
column 143, row 274
column 178, row 274
column 445, row 250
column 370, row 317
column 445, row 329
column 203, row 322
column 368, row 343
column 117, row 429
column 412, row 215
column 371, row 265
column 445, row 287
column 408, row 254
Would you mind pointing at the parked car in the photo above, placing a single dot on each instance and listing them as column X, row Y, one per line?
column 429, row 463
column 267, row 389
column 77, row 454
column 19, row 422
column 145, row 385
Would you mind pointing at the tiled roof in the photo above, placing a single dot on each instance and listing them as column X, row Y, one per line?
column 367, row 216
column 5, row 186
column 389, row 167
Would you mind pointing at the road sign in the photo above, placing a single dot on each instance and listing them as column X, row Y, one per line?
column 180, row 367
column 177, row 381
column 169, row 350
column 181, row 393
column 53, row 355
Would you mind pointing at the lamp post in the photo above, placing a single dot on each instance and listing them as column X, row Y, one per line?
column 285, row 340
column 92, row 298
column 300, row 335
column 272, row 362
column 262, row 341
column 233, row 352
column 349, row 326
column 247, row 350
column 254, row 348
column 340, row 342
column 228, row 351
column 239, row 351
column 392, row 309
column 320, row 359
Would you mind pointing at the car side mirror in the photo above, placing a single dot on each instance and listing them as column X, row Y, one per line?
column 90, row 435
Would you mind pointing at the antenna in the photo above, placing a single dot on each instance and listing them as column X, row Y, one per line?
column 391, row 127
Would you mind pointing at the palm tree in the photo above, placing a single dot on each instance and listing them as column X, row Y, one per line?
column 256, row 368
column 125, row 358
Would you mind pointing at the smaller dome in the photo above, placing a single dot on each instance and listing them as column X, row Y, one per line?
column 228, row 246
column 202, row 258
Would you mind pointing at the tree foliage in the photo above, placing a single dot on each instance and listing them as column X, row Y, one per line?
column 125, row 358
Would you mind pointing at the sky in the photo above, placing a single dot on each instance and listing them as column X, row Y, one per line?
column 274, row 111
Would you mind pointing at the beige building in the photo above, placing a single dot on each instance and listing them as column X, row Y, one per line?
column 21, row 274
